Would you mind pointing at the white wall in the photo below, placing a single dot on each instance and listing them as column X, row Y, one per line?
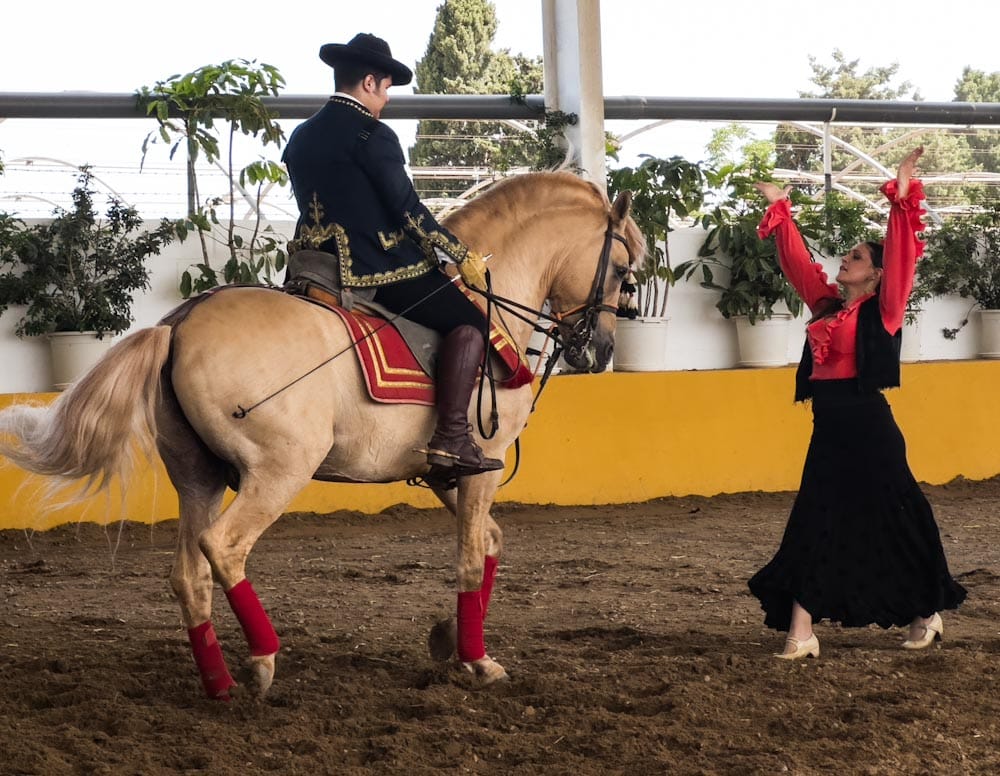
column 24, row 362
column 699, row 337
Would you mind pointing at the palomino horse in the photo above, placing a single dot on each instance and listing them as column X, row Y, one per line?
column 177, row 384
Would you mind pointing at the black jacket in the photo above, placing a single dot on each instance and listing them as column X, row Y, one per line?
column 355, row 199
column 877, row 355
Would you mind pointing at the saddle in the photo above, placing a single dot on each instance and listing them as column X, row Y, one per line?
column 396, row 355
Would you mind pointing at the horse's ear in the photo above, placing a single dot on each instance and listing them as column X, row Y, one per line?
column 623, row 203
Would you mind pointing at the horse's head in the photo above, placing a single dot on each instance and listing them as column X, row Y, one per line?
column 556, row 236
column 584, row 295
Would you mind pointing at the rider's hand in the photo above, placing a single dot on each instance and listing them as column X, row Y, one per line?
column 473, row 270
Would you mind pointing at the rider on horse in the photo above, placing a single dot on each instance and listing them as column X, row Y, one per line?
column 356, row 201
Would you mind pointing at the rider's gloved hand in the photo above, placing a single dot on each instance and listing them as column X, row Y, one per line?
column 473, row 270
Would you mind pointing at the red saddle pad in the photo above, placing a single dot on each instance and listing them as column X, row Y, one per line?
column 393, row 374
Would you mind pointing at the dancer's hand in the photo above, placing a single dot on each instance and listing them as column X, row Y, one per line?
column 906, row 170
column 771, row 192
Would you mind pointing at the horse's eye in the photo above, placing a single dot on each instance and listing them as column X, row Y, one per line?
column 621, row 272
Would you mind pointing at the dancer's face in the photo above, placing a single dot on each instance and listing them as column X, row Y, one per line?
column 858, row 271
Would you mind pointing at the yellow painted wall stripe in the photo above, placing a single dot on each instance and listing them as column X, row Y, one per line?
column 624, row 437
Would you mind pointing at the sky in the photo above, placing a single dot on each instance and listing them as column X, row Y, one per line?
column 714, row 48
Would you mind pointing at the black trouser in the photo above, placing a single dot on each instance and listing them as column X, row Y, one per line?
column 440, row 305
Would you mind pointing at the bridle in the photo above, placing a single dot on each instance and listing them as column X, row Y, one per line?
column 585, row 326
column 582, row 335
column 582, row 332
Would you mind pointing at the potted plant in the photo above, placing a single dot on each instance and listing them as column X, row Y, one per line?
column 755, row 291
column 921, row 294
column 76, row 275
column 963, row 257
column 663, row 192
column 186, row 108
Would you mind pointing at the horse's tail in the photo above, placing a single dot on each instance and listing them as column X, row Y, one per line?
column 92, row 430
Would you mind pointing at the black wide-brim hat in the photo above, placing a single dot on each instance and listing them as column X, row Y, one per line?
column 367, row 49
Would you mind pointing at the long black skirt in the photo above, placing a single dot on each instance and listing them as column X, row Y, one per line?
column 861, row 545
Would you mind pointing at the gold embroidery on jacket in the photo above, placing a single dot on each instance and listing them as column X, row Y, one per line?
column 352, row 104
column 317, row 234
column 434, row 239
column 391, row 240
column 405, row 272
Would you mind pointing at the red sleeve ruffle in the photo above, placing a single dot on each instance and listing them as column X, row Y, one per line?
column 776, row 214
column 911, row 205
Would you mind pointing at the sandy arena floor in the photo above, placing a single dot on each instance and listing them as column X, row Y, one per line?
column 632, row 643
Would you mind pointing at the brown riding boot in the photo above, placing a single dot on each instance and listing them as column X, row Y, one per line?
column 452, row 446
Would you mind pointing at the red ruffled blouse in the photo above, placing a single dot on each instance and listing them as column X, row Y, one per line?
column 833, row 338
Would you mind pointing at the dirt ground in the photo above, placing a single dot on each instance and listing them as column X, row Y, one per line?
column 631, row 641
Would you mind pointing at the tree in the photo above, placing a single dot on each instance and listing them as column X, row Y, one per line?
column 459, row 60
column 187, row 108
column 756, row 284
column 734, row 137
column 978, row 86
column 77, row 272
column 798, row 150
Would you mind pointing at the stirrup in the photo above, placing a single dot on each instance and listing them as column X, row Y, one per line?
column 481, row 466
column 440, row 478
column 441, row 458
column 474, row 462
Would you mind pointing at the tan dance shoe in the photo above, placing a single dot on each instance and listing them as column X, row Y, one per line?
column 932, row 632
column 800, row 649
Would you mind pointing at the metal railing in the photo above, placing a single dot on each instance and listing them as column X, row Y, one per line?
column 655, row 111
column 492, row 107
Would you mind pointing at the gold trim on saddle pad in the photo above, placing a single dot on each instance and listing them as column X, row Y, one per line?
column 504, row 346
column 392, row 373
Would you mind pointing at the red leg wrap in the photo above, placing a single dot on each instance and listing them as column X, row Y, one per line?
column 489, row 574
column 211, row 664
column 254, row 620
column 470, row 627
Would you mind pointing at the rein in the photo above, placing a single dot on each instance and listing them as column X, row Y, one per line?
column 241, row 411
column 582, row 334
column 583, row 328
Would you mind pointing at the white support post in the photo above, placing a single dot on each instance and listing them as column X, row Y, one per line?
column 827, row 159
column 574, row 78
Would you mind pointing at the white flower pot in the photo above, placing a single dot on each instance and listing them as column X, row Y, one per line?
column 74, row 353
column 989, row 337
column 765, row 343
column 641, row 344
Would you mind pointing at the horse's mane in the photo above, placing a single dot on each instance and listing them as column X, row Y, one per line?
column 554, row 188
column 537, row 190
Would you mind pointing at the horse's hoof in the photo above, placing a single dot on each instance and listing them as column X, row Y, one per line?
column 486, row 671
column 262, row 668
column 443, row 639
